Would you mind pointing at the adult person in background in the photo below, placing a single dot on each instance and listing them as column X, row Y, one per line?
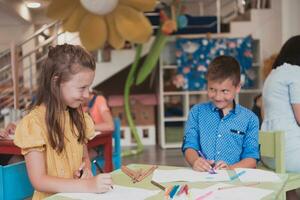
column 257, row 101
column 101, row 115
column 281, row 100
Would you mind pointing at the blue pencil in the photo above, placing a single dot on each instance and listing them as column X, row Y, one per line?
column 237, row 175
column 173, row 191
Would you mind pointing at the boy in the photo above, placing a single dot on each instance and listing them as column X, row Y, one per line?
column 220, row 133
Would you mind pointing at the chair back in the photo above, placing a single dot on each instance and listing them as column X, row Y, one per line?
column 14, row 182
column 272, row 145
column 117, row 144
column 116, row 155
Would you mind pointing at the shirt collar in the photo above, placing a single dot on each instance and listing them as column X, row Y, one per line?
column 236, row 108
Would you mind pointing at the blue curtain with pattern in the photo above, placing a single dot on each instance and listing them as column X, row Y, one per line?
column 194, row 55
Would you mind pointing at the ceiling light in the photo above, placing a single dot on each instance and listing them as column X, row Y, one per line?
column 33, row 4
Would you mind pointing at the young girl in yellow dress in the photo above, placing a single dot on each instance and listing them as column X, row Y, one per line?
column 53, row 135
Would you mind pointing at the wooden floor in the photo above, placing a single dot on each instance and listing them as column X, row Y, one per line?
column 158, row 156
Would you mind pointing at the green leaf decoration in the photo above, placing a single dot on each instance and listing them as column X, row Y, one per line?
column 151, row 59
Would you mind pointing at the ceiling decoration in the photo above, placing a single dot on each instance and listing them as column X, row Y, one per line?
column 98, row 22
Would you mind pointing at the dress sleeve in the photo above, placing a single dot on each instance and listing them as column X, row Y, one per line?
column 90, row 127
column 29, row 135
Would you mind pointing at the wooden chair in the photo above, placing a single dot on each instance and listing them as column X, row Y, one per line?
column 14, row 182
column 272, row 145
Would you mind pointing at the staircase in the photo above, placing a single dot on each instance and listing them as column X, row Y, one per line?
column 119, row 60
column 19, row 66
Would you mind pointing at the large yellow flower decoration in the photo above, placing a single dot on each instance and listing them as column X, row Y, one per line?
column 98, row 21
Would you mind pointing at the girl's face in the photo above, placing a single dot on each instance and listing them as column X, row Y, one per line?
column 75, row 91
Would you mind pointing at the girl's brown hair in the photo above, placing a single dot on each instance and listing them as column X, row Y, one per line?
column 62, row 62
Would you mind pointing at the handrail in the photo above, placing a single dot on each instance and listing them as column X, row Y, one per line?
column 6, row 67
column 42, row 29
column 24, row 85
column 37, row 61
column 50, row 39
column 4, row 52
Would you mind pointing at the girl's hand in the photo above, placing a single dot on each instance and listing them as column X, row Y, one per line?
column 87, row 173
column 202, row 165
column 102, row 183
column 221, row 165
column 83, row 172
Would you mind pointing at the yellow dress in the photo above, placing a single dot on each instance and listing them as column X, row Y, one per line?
column 31, row 135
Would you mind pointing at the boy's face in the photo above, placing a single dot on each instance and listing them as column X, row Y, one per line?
column 222, row 93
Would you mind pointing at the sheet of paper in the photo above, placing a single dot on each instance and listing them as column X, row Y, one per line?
column 188, row 175
column 119, row 192
column 236, row 193
column 257, row 175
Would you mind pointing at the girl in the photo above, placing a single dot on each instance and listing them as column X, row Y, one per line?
column 54, row 134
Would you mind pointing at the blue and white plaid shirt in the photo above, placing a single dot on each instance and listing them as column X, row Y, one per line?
column 230, row 138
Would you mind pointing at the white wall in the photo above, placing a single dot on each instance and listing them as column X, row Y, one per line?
column 265, row 25
column 11, row 28
column 290, row 18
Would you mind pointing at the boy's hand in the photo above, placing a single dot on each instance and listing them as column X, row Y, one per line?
column 202, row 165
column 221, row 165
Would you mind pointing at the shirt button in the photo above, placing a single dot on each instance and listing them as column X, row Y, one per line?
column 218, row 152
column 219, row 135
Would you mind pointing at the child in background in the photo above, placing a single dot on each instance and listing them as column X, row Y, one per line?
column 53, row 135
column 9, row 130
column 223, row 132
column 100, row 113
column 5, row 135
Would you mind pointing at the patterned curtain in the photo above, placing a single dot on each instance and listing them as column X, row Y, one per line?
column 194, row 55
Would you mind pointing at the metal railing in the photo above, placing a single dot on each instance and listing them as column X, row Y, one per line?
column 19, row 66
